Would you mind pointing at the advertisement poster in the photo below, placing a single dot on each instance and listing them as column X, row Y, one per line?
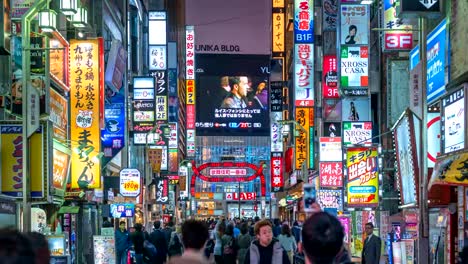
column 363, row 177
column 277, row 181
column 330, row 14
column 400, row 37
column 330, row 77
column 453, row 121
column 354, row 69
column 130, row 180
column 85, row 115
column 122, row 210
column 304, row 77
column 113, row 134
column 276, row 134
column 162, row 191
column 59, row 114
column 330, row 199
column 332, row 129
column 332, row 110
column 303, row 21
column 157, row 58
column 355, row 133
column 356, row 109
column 237, row 87
column 60, row 169
column 276, row 96
column 104, row 250
column 331, row 174
column 346, row 223
column 437, row 50
column 354, row 24
column 330, row 149
column 302, row 141
column 407, row 163
column 11, row 152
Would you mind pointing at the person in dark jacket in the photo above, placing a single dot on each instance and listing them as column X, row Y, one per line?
column 243, row 241
column 296, row 230
column 229, row 246
column 158, row 239
column 168, row 231
column 122, row 242
column 276, row 228
column 138, row 239
column 265, row 249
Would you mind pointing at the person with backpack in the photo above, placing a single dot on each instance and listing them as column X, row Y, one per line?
column 218, row 248
column 158, row 239
column 229, row 246
column 175, row 244
column 243, row 241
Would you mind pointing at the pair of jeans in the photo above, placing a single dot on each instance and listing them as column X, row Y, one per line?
column 121, row 257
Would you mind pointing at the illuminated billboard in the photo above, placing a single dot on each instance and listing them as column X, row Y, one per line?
column 354, row 24
column 400, row 37
column 354, row 70
column 362, row 177
column 357, row 133
column 330, row 77
column 453, row 127
column 303, row 21
column 304, row 75
column 232, row 95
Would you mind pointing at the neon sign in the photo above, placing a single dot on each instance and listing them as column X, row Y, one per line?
column 258, row 172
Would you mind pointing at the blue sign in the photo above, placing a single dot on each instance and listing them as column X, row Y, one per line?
column 122, row 210
column 414, row 57
column 113, row 135
column 436, row 61
column 304, row 21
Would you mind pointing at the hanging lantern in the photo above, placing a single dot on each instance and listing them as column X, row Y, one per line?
column 48, row 20
column 69, row 7
column 80, row 19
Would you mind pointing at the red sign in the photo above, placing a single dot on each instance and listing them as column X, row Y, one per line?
column 398, row 40
column 331, row 174
column 190, row 116
column 228, row 172
column 330, row 77
column 277, row 181
column 244, row 196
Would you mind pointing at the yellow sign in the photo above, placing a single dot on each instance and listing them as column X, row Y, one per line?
column 85, row 75
column 278, row 3
column 363, row 177
column 11, row 153
column 278, row 32
column 204, row 196
column 302, row 141
column 131, row 186
column 190, row 85
column 452, row 170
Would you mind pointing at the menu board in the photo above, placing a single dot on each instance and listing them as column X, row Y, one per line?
column 104, row 249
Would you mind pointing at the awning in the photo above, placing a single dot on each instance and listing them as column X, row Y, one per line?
column 451, row 170
column 69, row 210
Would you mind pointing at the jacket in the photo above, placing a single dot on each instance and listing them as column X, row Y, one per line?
column 137, row 239
column 277, row 253
column 243, row 241
column 189, row 257
column 159, row 241
column 287, row 242
column 122, row 240
column 371, row 250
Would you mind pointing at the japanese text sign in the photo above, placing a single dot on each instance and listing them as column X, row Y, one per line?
column 329, row 15
column 330, row 149
column 354, row 66
column 122, row 210
column 85, row 78
column 436, row 61
column 330, row 77
column 303, row 21
column 304, row 75
column 130, row 180
column 331, row 174
column 162, row 191
column 277, row 181
column 302, row 141
column 362, row 177
column 330, row 199
column 278, row 32
column 401, row 37
column 354, row 24
column 189, row 53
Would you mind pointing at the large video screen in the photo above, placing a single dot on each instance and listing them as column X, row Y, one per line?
column 232, row 95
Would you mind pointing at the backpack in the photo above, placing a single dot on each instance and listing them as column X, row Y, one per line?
column 150, row 250
column 229, row 248
column 175, row 247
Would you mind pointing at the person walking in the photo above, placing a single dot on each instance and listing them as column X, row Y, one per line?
column 194, row 237
column 218, row 248
column 175, row 247
column 287, row 241
column 265, row 249
column 243, row 241
column 296, row 231
column 158, row 239
column 122, row 243
column 229, row 246
column 138, row 238
column 372, row 246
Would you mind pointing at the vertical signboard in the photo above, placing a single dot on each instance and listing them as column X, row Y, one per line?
column 303, row 21
column 161, row 95
column 354, row 70
column 113, row 134
column 437, row 52
column 162, row 191
column 276, row 136
column 331, row 174
column 453, row 121
column 190, row 88
column 277, row 181
column 354, row 24
column 85, row 78
column 330, row 77
column 278, row 32
column 330, row 15
column 433, row 138
column 143, row 108
column 330, row 149
column 415, row 82
column 362, row 177
column 302, row 141
column 401, row 36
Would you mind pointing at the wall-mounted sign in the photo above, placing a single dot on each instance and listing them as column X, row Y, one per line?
column 277, row 181
column 362, row 177
column 331, row 174
column 143, row 94
column 400, row 37
column 330, row 199
column 303, row 21
column 355, row 109
column 437, row 52
column 304, row 75
column 330, row 77
column 330, row 15
column 85, row 60
column 113, row 135
column 357, row 133
column 244, row 196
column 453, row 128
column 130, row 180
column 354, row 25
column 190, row 53
column 116, row 66
column 154, row 158
column 278, row 32
column 302, row 141
column 157, row 28
column 59, row 114
column 330, row 149
column 157, row 57
column 276, row 136
column 419, row 7
column 61, row 166
column 332, row 129
column 227, row 172
column 162, row 191
column 433, row 138
column 354, row 70
column 122, row 210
